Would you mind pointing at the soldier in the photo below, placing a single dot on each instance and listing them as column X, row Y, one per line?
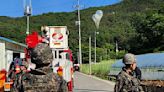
column 138, row 73
column 125, row 81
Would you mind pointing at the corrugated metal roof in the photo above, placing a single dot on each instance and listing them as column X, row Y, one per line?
column 11, row 41
column 146, row 60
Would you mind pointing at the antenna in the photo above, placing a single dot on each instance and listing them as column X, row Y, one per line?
column 27, row 7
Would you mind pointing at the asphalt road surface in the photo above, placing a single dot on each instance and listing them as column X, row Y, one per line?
column 86, row 83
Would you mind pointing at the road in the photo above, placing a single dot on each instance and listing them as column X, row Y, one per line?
column 86, row 83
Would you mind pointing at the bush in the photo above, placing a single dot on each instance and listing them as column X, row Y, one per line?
column 118, row 55
column 100, row 69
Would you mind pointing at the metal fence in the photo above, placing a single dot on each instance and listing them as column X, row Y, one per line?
column 147, row 74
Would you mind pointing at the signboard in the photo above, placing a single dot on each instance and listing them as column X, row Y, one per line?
column 22, row 55
column 58, row 37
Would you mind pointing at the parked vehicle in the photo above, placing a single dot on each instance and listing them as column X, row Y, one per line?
column 76, row 67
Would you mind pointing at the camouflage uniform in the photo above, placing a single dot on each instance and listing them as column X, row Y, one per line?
column 42, row 78
column 44, row 83
column 127, row 83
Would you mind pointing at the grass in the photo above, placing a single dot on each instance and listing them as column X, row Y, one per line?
column 99, row 69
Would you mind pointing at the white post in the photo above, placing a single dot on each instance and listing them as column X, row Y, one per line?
column 90, row 70
column 116, row 47
column 28, row 19
column 80, row 55
column 27, row 13
column 95, row 47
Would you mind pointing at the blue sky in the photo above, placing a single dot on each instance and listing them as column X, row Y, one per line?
column 14, row 8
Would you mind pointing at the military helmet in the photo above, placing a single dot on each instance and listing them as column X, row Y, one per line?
column 129, row 58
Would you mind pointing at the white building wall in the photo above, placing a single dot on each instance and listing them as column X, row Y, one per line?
column 2, row 56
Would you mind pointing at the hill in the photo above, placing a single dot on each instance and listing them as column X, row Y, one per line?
column 137, row 26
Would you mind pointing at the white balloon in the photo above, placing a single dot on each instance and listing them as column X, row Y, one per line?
column 94, row 19
column 97, row 17
column 99, row 12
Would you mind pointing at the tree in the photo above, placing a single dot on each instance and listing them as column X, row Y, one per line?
column 150, row 31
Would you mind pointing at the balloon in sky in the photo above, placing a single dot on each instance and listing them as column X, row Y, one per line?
column 99, row 12
column 97, row 17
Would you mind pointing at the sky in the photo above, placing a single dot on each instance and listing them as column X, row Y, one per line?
column 15, row 8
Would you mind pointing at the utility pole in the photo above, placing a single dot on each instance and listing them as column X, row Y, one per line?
column 95, row 45
column 79, row 28
column 90, row 68
column 27, row 13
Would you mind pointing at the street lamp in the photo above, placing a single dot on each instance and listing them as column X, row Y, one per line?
column 95, row 44
column 97, row 18
column 90, row 67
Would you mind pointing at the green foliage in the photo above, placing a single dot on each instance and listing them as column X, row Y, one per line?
column 150, row 31
column 99, row 69
column 118, row 55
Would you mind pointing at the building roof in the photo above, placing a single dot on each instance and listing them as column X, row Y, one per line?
column 11, row 41
column 145, row 60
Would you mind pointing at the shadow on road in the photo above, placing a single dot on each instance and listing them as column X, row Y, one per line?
column 92, row 90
